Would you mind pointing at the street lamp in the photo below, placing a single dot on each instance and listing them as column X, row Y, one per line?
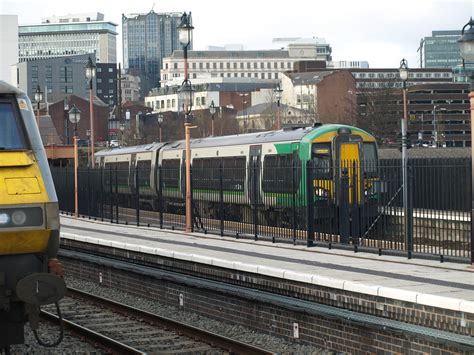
column 212, row 110
column 159, row 118
column 185, row 33
column 38, row 98
column 90, row 74
column 75, row 117
column 278, row 92
column 403, row 70
column 466, row 43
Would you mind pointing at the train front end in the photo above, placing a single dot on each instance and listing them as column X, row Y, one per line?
column 30, row 275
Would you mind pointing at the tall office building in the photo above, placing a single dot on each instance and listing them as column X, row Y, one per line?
column 147, row 38
column 69, row 35
column 441, row 50
column 8, row 46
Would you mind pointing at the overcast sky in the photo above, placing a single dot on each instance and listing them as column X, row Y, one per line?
column 379, row 31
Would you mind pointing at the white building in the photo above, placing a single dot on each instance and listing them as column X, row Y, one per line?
column 8, row 47
column 61, row 36
column 348, row 64
column 130, row 85
column 221, row 62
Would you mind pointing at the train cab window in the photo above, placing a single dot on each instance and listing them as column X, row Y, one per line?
column 370, row 157
column 322, row 159
column 11, row 133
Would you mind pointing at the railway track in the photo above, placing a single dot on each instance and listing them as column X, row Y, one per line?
column 122, row 329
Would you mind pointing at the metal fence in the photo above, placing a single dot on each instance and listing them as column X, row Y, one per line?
column 345, row 206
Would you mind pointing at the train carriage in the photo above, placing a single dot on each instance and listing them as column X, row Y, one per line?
column 265, row 170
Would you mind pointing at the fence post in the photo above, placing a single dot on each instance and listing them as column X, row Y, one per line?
column 89, row 198
column 354, row 210
column 111, row 194
column 293, row 202
column 309, row 204
column 344, row 222
column 409, row 211
column 101, row 175
column 221, row 198
column 116, row 195
column 255, row 195
column 137, row 194
column 160, row 195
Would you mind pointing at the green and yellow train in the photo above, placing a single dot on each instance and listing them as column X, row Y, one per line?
column 265, row 170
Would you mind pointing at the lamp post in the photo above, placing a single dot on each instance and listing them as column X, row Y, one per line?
column 88, row 134
column 212, row 110
column 403, row 70
column 38, row 98
column 185, row 32
column 90, row 74
column 75, row 117
column 122, row 129
column 466, row 43
column 159, row 118
column 278, row 92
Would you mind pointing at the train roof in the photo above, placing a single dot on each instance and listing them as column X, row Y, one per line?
column 282, row 135
column 6, row 88
column 130, row 150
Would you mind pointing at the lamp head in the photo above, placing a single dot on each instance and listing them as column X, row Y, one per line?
column 160, row 119
column 38, row 94
column 403, row 70
column 212, row 108
column 185, row 95
column 185, row 30
column 466, row 42
column 90, row 69
column 74, row 114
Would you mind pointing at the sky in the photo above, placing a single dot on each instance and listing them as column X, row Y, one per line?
column 381, row 32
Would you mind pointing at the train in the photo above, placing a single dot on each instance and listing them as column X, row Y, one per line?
column 30, row 274
column 263, row 171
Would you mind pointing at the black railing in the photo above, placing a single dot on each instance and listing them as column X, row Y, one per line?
column 344, row 206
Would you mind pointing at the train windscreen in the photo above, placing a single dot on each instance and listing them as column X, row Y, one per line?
column 11, row 134
column 370, row 157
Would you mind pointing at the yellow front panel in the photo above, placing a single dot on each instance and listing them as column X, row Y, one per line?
column 20, row 184
column 349, row 155
column 328, row 137
column 23, row 242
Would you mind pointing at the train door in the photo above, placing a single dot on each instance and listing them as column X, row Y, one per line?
column 255, row 159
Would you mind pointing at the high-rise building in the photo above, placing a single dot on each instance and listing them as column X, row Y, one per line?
column 441, row 50
column 147, row 38
column 69, row 35
column 8, row 46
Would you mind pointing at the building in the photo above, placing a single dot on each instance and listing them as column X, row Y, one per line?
column 8, row 47
column 106, row 80
column 57, row 77
column 441, row 49
column 147, row 38
column 130, row 88
column 348, row 64
column 314, row 47
column 69, row 35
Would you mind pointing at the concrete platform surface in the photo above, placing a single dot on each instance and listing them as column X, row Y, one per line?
column 426, row 282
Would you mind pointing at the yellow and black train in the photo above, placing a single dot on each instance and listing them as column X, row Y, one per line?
column 29, row 220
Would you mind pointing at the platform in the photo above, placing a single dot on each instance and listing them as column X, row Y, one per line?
column 425, row 282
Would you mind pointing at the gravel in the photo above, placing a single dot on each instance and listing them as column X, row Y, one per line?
column 241, row 333
column 74, row 345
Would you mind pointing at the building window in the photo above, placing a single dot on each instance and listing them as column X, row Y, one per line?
column 175, row 65
column 248, row 65
column 214, row 65
column 276, row 75
column 262, row 65
column 162, row 104
column 168, row 103
column 111, row 70
column 172, row 102
column 99, row 80
column 256, row 75
column 194, row 65
column 255, row 65
column 198, row 101
column 228, row 65
column 263, row 75
column 111, row 81
column 207, row 66
column 241, row 65
column 98, row 70
column 235, row 65
column 99, row 91
column 203, row 101
column 228, row 75
column 200, row 65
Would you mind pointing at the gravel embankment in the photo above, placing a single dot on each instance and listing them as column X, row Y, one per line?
column 74, row 345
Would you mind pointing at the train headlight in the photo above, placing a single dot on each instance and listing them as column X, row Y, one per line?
column 4, row 218
column 18, row 217
column 321, row 192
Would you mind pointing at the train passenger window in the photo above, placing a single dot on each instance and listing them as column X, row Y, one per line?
column 370, row 157
column 279, row 173
column 144, row 171
column 11, row 133
column 170, row 173
column 322, row 159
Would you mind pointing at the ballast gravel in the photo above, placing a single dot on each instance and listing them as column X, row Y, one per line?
column 75, row 345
